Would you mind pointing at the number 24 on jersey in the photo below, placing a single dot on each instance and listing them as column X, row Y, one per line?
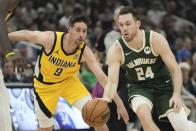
column 143, row 75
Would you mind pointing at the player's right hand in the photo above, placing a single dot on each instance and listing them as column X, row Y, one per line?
column 105, row 99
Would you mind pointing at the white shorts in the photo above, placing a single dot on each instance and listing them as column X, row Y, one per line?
column 138, row 100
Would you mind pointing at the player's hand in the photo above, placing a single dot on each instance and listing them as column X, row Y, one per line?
column 176, row 102
column 107, row 100
column 122, row 112
column 18, row 62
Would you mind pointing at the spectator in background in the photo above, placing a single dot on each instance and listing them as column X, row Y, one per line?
column 8, row 71
column 156, row 13
column 193, row 67
column 41, row 17
column 28, row 10
column 188, row 98
column 63, row 22
column 192, row 84
column 184, row 53
column 27, row 54
column 87, row 78
column 11, row 76
column 192, row 80
column 193, row 45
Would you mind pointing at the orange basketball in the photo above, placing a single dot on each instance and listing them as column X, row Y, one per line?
column 96, row 112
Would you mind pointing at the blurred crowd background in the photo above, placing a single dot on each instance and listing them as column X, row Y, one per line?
column 175, row 19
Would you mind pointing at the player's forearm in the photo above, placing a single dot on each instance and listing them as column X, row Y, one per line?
column 177, row 80
column 117, row 99
column 110, row 91
column 102, row 79
column 20, row 35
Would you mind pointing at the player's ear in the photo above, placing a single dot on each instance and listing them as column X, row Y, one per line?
column 69, row 28
column 138, row 23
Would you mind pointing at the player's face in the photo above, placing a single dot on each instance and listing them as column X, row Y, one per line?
column 78, row 32
column 128, row 26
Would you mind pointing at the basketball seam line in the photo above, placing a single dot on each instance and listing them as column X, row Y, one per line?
column 100, row 113
column 92, row 113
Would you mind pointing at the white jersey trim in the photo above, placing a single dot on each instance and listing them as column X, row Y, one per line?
column 122, row 52
column 151, row 32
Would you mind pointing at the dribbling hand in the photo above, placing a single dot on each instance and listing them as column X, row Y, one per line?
column 107, row 100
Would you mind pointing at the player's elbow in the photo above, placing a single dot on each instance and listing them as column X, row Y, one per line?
column 178, row 69
column 175, row 69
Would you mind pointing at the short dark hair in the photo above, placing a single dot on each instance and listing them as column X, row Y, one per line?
column 127, row 10
column 81, row 18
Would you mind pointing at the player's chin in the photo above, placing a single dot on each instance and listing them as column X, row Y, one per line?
column 127, row 37
column 80, row 41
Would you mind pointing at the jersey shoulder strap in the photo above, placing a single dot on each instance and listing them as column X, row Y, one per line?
column 147, row 37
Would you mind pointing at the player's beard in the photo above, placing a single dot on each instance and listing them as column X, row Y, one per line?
column 131, row 36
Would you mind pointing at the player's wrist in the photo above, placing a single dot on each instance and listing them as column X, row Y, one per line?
column 176, row 94
column 117, row 100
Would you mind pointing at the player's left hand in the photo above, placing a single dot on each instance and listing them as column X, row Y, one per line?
column 122, row 112
column 176, row 102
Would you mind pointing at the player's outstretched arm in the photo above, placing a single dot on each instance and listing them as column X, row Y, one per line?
column 113, row 61
column 45, row 39
column 161, row 47
column 114, row 58
column 93, row 65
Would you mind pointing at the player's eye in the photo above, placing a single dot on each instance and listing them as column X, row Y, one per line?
column 78, row 30
column 128, row 23
column 120, row 25
column 84, row 31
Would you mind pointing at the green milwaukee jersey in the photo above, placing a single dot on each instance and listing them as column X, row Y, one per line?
column 144, row 66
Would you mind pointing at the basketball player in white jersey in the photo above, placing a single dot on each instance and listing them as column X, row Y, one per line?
column 6, row 9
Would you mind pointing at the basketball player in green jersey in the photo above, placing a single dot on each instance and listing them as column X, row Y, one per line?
column 154, row 75
column 6, row 9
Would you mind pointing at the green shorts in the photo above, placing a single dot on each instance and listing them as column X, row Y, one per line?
column 159, row 98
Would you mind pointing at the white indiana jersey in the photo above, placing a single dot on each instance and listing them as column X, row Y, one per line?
column 23, row 113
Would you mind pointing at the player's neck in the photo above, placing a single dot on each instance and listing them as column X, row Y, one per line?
column 68, row 44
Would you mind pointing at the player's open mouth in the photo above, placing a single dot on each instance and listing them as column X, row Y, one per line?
column 126, row 34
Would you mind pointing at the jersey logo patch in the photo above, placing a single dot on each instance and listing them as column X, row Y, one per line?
column 76, row 56
column 57, row 52
column 128, row 53
column 147, row 50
